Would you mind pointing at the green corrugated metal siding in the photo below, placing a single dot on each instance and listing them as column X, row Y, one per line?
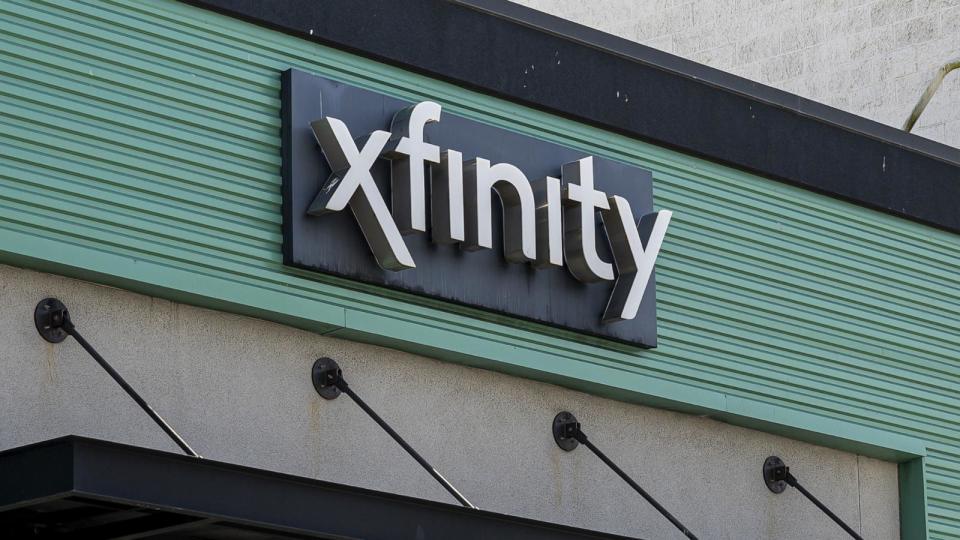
column 145, row 135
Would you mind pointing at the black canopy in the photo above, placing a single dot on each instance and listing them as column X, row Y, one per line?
column 74, row 487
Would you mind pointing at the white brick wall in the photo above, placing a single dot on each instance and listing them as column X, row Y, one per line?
column 869, row 57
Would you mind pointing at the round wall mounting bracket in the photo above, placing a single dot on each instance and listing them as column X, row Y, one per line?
column 565, row 426
column 49, row 316
column 775, row 474
column 325, row 375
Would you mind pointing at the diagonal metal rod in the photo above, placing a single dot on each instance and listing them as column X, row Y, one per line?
column 61, row 319
column 345, row 388
column 582, row 438
column 791, row 480
column 929, row 92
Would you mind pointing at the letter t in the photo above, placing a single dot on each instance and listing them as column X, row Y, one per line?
column 581, row 202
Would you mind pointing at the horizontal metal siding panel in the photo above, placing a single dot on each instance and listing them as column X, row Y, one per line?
column 151, row 130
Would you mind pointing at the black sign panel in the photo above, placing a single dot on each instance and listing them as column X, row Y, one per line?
column 334, row 244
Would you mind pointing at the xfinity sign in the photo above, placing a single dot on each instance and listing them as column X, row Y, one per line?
column 408, row 196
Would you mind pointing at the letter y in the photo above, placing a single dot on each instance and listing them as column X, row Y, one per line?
column 635, row 249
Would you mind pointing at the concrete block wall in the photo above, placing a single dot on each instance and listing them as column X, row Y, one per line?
column 873, row 58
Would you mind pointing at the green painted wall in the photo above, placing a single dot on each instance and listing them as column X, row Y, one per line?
column 139, row 146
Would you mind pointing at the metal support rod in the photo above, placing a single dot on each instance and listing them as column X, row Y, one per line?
column 929, row 92
column 582, row 438
column 793, row 482
column 777, row 476
column 52, row 316
column 327, row 377
column 70, row 329
column 567, row 433
column 343, row 386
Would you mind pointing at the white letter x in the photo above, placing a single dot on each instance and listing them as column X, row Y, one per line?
column 351, row 183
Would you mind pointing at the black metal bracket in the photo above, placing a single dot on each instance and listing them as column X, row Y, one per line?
column 329, row 382
column 325, row 375
column 777, row 476
column 568, row 435
column 565, row 430
column 50, row 315
column 54, row 325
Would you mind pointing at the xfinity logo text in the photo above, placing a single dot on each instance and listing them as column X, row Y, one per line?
column 554, row 226
column 467, row 212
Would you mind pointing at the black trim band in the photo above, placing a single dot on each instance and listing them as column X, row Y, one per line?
column 542, row 61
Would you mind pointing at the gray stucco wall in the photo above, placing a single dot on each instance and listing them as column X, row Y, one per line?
column 873, row 58
column 238, row 389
